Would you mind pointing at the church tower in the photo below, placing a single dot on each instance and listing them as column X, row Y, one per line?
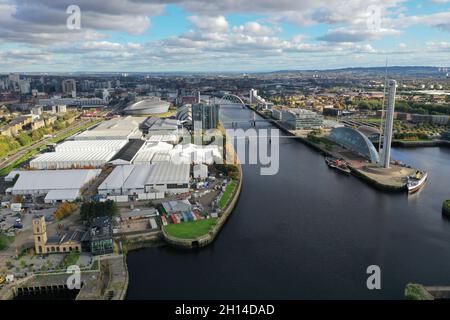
column 40, row 234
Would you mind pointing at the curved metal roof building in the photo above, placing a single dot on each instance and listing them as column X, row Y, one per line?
column 184, row 113
column 148, row 106
column 356, row 141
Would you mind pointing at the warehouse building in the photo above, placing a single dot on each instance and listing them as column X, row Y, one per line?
column 79, row 154
column 150, row 178
column 56, row 185
column 148, row 150
column 158, row 126
column 114, row 129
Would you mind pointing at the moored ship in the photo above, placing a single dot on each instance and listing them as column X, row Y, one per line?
column 337, row 164
column 416, row 181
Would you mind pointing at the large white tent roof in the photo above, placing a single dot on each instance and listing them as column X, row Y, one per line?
column 62, row 195
column 89, row 145
column 54, row 179
column 137, row 176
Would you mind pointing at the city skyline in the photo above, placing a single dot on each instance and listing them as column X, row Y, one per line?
column 193, row 36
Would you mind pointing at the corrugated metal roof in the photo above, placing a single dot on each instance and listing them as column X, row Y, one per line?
column 62, row 194
column 54, row 179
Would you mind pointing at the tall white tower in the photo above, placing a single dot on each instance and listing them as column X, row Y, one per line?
column 386, row 153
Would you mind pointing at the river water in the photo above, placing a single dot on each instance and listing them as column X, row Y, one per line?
column 309, row 232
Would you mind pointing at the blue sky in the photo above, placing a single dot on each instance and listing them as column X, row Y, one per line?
column 225, row 35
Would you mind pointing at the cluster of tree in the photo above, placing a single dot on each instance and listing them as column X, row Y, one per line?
column 406, row 106
column 8, row 144
column 229, row 170
column 93, row 209
column 64, row 209
column 410, row 136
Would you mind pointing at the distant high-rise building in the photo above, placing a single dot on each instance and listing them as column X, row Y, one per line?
column 253, row 95
column 69, row 86
column 206, row 114
column 24, row 86
column 389, row 124
column 13, row 80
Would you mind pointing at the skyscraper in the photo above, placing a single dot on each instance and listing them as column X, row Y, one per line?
column 68, row 86
column 206, row 114
column 386, row 152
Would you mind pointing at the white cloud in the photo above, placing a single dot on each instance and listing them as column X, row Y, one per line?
column 210, row 24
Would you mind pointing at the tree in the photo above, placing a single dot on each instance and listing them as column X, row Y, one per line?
column 93, row 209
column 64, row 209
column 24, row 139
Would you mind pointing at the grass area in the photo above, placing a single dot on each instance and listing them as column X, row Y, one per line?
column 70, row 259
column 417, row 292
column 191, row 229
column 227, row 194
column 73, row 131
column 4, row 241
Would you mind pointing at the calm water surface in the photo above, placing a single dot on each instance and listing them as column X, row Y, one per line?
column 309, row 232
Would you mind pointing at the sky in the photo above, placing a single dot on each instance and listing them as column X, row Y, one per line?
column 220, row 35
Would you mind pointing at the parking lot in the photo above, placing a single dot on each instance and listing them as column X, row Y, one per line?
column 21, row 220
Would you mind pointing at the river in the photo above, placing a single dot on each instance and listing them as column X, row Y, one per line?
column 309, row 232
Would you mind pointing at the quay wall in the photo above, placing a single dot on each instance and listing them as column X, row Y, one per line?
column 211, row 235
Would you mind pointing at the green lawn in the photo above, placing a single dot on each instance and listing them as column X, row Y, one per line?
column 191, row 229
column 228, row 193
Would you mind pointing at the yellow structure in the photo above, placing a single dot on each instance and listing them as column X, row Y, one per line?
column 43, row 244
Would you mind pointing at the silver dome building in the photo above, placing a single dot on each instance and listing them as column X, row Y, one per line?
column 152, row 105
column 355, row 141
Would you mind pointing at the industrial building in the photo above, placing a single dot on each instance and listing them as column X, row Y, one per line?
column 153, row 105
column 146, row 153
column 56, row 185
column 192, row 153
column 79, row 154
column 149, row 178
column 158, row 126
column 184, row 113
column 114, row 129
column 200, row 171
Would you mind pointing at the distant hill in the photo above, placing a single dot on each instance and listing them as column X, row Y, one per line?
column 402, row 70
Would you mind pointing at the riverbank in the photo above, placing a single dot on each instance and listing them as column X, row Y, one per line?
column 106, row 280
column 209, row 237
column 226, row 207
column 446, row 208
column 393, row 179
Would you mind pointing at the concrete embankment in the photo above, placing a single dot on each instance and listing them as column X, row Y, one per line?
column 421, row 144
column 108, row 282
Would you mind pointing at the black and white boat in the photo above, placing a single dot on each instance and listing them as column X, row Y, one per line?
column 416, row 182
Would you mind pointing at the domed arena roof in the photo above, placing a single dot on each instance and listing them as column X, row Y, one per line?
column 148, row 106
